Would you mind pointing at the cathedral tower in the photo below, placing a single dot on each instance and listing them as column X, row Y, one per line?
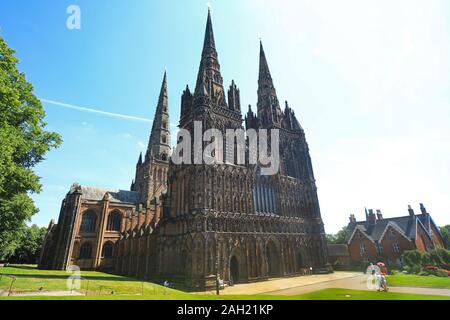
column 225, row 219
column 151, row 171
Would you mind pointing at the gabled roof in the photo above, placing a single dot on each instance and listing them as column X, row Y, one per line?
column 357, row 227
column 405, row 225
column 396, row 227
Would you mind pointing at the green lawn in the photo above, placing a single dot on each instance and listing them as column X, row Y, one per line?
column 106, row 286
column 29, row 278
column 411, row 280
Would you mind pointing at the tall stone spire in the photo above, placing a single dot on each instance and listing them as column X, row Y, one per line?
column 209, row 79
column 151, row 173
column 269, row 110
column 209, row 34
column 264, row 72
column 159, row 142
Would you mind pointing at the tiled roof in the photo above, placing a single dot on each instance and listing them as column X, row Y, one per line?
column 406, row 224
column 338, row 250
column 94, row 193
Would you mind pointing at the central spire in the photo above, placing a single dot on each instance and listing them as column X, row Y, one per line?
column 209, row 34
column 265, row 79
column 209, row 79
column 269, row 110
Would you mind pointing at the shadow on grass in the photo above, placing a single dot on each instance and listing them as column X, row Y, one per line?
column 21, row 266
column 64, row 277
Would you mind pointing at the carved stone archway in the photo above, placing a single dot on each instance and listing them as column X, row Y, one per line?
column 238, row 272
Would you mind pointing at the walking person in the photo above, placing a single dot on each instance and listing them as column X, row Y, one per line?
column 383, row 282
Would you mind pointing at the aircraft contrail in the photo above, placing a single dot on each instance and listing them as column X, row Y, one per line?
column 84, row 109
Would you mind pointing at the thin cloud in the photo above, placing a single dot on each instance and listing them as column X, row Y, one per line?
column 92, row 110
column 105, row 113
column 141, row 144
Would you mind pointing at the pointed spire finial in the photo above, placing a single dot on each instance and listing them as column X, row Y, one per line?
column 263, row 65
column 162, row 101
column 209, row 33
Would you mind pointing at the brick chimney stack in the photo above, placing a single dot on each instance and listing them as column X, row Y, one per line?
column 372, row 219
column 379, row 215
column 352, row 218
column 423, row 210
column 411, row 211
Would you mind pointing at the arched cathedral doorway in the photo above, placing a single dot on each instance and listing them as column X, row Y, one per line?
column 237, row 267
column 234, row 270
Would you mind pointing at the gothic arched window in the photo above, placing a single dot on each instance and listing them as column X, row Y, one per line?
column 164, row 157
column 114, row 220
column 85, row 251
column 108, row 249
column 88, row 222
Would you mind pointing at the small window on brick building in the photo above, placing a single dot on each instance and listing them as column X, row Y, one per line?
column 393, row 232
column 396, row 247
column 379, row 249
column 362, row 248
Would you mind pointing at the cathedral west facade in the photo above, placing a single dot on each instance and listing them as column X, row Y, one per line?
column 190, row 223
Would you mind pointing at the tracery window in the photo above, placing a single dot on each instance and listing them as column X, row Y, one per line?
column 88, row 222
column 114, row 221
column 85, row 251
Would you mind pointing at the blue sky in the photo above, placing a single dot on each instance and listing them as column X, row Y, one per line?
column 369, row 82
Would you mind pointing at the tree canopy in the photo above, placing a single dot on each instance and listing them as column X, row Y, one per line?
column 29, row 245
column 338, row 238
column 23, row 144
column 445, row 231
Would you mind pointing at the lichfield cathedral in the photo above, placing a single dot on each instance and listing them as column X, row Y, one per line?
column 191, row 223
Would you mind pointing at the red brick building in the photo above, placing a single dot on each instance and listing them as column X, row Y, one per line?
column 379, row 239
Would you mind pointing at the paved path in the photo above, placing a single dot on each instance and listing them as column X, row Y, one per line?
column 305, row 284
column 286, row 283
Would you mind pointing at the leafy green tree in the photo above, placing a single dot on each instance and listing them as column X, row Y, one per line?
column 445, row 231
column 338, row 238
column 23, row 144
column 29, row 245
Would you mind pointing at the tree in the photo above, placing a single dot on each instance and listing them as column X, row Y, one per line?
column 338, row 238
column 445, row 231
column 29, row 245
column 23, row 144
